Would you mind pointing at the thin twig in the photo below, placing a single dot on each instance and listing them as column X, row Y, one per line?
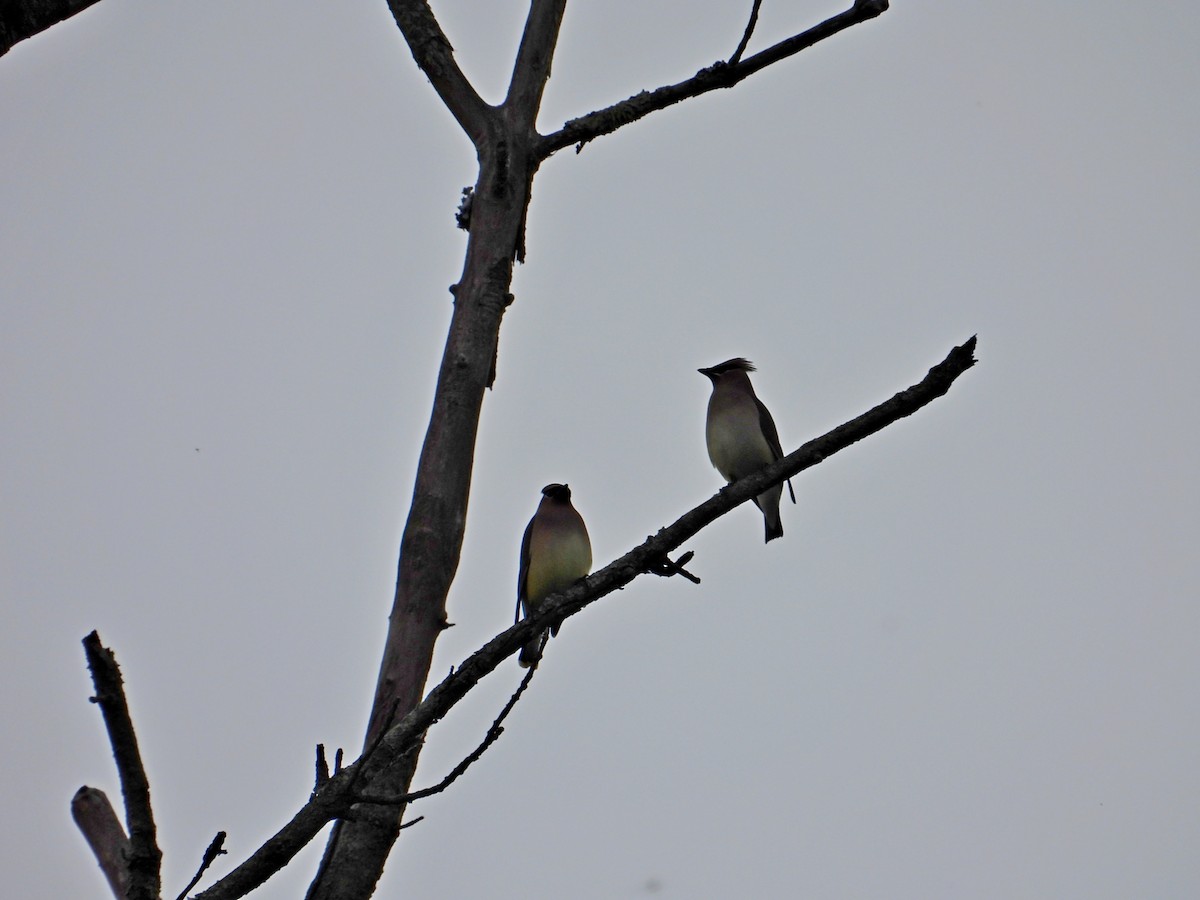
column 322, row 767
column 741, row 47
column 145, row 858
column 493, row 734
column 214, row 850
column 666, row 567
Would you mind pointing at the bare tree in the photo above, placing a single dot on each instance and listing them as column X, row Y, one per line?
column 368, row 797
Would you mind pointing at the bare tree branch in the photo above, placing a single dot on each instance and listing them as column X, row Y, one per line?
column 330, row 802
column 719, row 75
column 339, row 793
column 530, row 73
column 742, row 44
column 531, row 70
column 145, row 858
column 493, row 734
column 432, row 51
column 322, row 770
column 214, row 850
column 95, row 817
column 21, row 19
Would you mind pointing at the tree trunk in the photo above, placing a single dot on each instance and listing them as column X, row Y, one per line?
column 432, row 541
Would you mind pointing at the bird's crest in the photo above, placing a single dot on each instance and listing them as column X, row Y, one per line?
column 737, row 364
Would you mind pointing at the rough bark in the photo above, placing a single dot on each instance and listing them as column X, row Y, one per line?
column 145, row 858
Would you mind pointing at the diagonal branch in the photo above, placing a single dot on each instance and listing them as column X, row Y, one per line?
column 145, row 858
column 331, row 802
column 719, row 75
column 531, row 70
column 21, row 19
column 435, row 57
column 338, row 794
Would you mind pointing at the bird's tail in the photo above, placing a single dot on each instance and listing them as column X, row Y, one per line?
column 768, row 503
column 775, row 531
column 531, row 653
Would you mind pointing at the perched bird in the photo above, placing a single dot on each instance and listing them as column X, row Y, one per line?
column 741, row 435
column 555, row 553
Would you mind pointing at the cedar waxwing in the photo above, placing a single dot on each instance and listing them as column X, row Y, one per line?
column 555, row 553
column 741, row 435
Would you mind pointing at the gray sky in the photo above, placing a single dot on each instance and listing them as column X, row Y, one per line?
column 971, row 666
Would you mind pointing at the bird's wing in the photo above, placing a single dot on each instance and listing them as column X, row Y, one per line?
column 523, row 573
column 771, row 433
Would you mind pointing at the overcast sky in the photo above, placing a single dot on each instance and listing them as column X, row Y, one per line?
column 969, row 669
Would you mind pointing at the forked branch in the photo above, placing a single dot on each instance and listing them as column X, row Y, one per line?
column 145, row 858
column 721, row 74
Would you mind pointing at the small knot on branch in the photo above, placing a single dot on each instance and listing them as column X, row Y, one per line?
column 463, row 216
column 719, row 74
